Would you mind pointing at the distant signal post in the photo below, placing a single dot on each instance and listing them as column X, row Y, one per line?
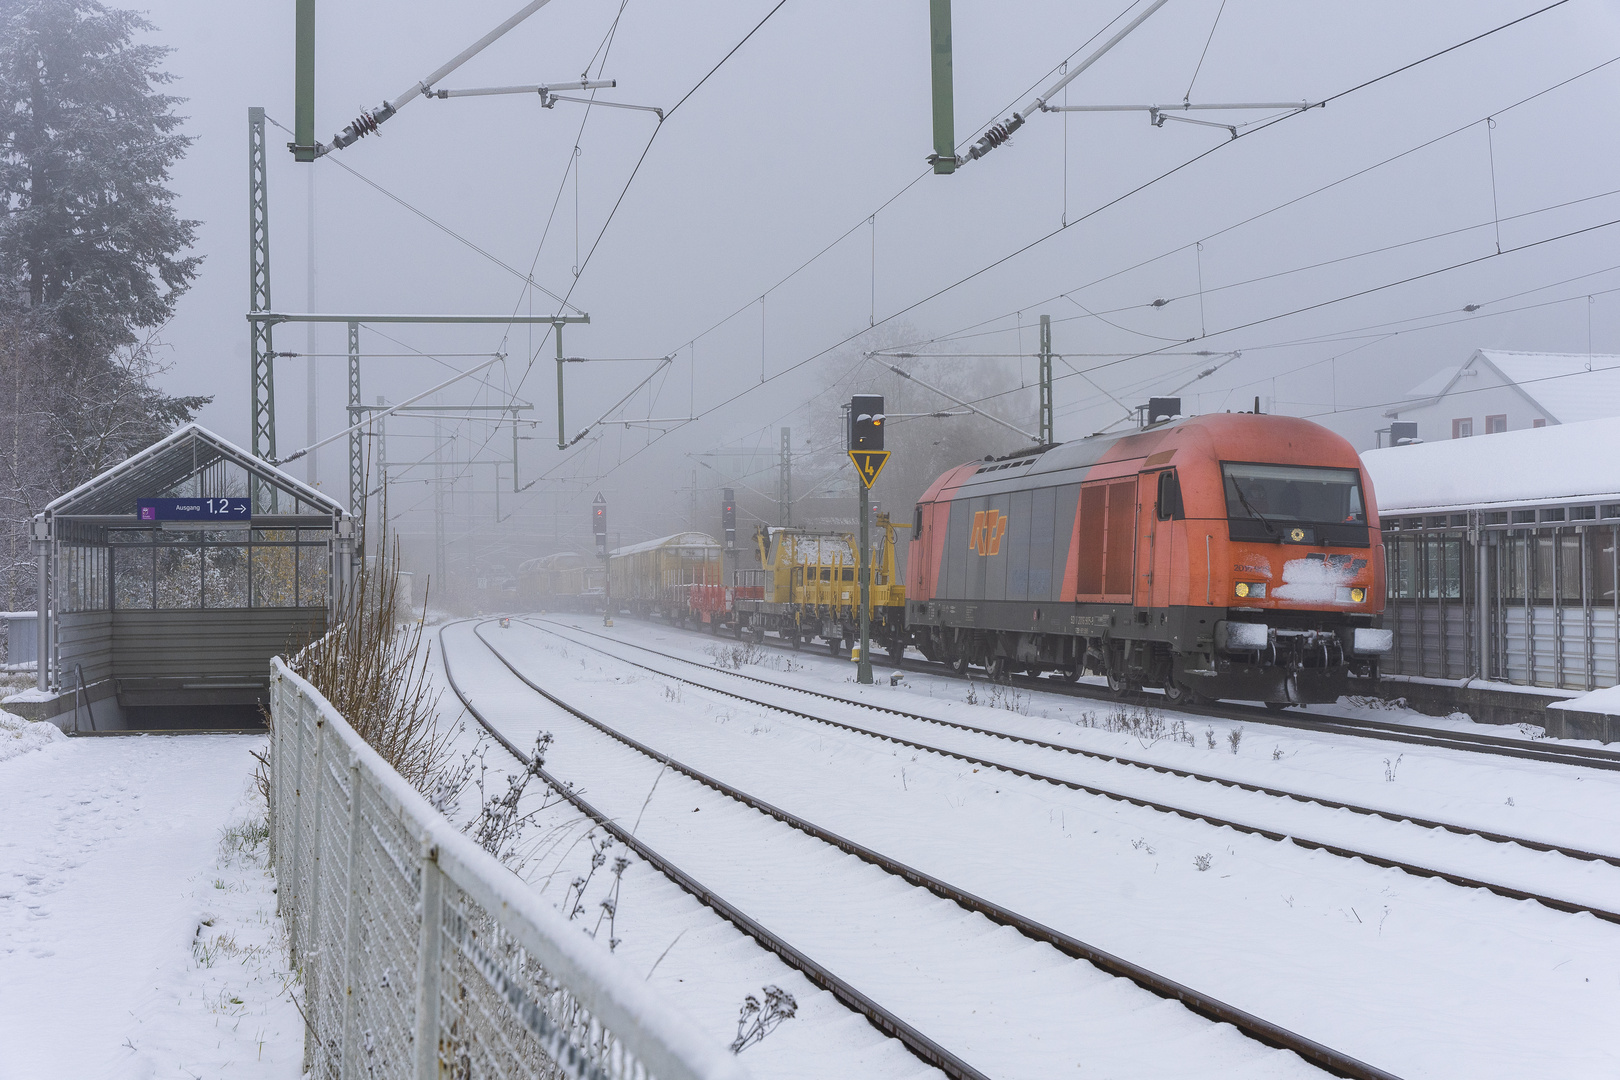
column 866, row 451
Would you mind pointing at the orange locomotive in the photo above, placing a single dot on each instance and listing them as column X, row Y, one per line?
column 1224, row 556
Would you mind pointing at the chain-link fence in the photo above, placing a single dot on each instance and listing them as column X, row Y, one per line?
column 421, row 955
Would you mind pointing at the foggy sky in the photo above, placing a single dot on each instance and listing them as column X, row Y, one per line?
column 815, row 125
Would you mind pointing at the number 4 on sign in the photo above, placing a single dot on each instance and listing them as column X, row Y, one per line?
column 869, row 463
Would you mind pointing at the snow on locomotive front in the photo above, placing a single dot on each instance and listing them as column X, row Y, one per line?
column 1224, row 556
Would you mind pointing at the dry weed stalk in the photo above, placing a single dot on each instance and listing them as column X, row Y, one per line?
column 373, row 668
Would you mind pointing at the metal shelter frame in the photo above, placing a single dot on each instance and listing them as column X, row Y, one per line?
column 106, row 610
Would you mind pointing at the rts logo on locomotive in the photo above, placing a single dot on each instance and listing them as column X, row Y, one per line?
column 989, row 526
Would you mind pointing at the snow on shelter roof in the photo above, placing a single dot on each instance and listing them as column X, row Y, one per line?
column 158, row 469
column 687, row 539
column 1535, row 465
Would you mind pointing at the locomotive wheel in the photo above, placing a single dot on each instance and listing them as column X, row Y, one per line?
column 897, row 652
column 996, row 669
column 794, row 640
column 1178, row 694
column 832, row 646
column 1071, row 674
column 1119, row 685
column 959, row 665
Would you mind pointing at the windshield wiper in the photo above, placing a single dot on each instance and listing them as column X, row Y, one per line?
column 1249, row 506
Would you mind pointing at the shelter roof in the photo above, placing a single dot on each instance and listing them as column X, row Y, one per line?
column 689, row 539
column 1562, row 463
column 162, row 467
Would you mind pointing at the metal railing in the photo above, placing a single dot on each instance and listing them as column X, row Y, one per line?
column 421, row 955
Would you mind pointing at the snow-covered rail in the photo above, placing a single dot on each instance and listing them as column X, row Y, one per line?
column 1255, row 1027
column 1289, row 834
column 423, row 956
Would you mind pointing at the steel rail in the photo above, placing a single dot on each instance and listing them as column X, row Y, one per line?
column 1414, row 869
column 1225, row 781
column 1255, row 1027
column 1471, row 742
column 920, row 1045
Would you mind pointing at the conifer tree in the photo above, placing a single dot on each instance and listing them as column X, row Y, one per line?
column 93, row 256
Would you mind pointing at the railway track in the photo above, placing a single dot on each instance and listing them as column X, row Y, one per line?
column 1417, row 870
column 917, row 1042
column 1587, row 757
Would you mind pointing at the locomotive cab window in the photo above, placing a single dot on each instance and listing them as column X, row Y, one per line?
column 1169, row 502
column 1294, row 503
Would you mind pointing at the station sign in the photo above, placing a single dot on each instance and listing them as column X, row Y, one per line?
column 237, row 509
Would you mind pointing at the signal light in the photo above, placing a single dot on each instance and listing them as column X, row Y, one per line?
column 728, row 516
column 866, row 422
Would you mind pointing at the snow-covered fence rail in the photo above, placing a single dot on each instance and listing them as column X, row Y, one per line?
column 422, row 956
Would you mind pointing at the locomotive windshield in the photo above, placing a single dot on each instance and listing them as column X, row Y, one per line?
column 1293, row 493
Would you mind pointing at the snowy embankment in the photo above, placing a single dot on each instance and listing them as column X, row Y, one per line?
column 18, row 736
column 138, row 934
column 1414, row 975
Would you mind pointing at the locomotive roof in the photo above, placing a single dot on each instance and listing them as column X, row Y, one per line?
column 689, row 539
column 1226, row 436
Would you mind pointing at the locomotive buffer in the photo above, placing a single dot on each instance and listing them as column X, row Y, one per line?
column 866, row 451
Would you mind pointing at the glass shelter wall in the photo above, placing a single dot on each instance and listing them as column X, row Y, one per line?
column 1524, row 596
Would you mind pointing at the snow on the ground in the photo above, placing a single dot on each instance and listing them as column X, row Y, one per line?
column 138, row 934
column 701, row 963
column 18, row 736
column 1012, row 1007
column 1411, row 974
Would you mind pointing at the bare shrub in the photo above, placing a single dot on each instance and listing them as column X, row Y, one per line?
column 1204, row 861
column 1234, row 737
column 756, row 1020
column 373, row 668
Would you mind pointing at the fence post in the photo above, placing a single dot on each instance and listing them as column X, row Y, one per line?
column 428, row 965
column 312, row 955
column 351, row 944
column 292, row 897
column 273, row 794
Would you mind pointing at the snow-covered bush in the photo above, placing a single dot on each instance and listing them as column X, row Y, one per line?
column 18, row 736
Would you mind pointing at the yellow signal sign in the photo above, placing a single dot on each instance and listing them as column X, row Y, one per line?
column 869, row 463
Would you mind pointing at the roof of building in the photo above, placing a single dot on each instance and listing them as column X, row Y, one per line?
column 156, row 471
column 1561, row 463
column 1566, row 387
column 1571, row 387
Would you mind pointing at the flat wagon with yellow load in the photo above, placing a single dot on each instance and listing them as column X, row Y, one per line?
column 809, row 588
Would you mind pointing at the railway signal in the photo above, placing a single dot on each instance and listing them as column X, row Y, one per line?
column 599, row 524
column 866, row 451
column 728, row 517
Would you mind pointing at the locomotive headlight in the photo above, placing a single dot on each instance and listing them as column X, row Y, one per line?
column 1351, row 595
column 1246, row 589
column 1357, row 595
column 1242, row 588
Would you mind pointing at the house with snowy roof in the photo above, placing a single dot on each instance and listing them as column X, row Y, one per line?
column 1499, row 391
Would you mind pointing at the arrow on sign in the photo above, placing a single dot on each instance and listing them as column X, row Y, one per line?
column 869, row 463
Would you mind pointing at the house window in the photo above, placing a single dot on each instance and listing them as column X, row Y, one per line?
column 1495, row 425
column 1538, row 422
column 1463, row 428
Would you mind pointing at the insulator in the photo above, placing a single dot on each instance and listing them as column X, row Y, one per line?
column 363, row 125
column 995, row 136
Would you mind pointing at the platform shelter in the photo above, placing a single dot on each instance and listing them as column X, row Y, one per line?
column 168, row 582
